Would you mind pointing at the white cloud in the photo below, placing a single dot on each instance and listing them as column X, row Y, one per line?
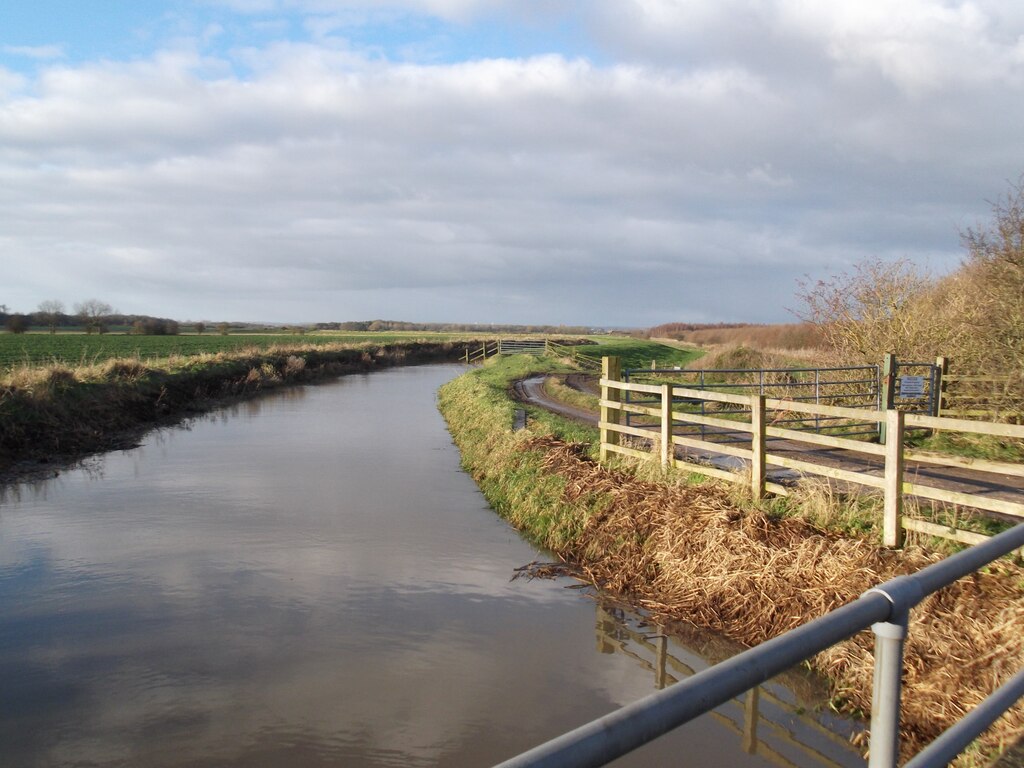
column 733, row 147
column 42, row 52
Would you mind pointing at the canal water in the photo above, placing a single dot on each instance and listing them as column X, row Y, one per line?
column 310, row 579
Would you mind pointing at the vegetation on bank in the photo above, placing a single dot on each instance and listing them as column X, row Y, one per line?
column 57, row 411
column 973, row 317
column 696, row 553
column 804, row 336
column 80, row 349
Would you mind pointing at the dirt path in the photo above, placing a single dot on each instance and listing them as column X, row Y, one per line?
column 989, row 484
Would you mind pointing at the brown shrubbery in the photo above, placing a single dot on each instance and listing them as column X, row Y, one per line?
column 690, row 553
column 789, row 336
column 974, row 316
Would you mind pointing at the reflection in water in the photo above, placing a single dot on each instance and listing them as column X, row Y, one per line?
column 313, row 581
column 776, row 721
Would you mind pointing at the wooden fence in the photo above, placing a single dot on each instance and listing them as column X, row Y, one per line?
column 756, row 423
column 996, row 398
column 531, row 346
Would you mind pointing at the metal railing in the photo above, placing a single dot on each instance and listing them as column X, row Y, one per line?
column 773, row 721
column 849, row 386
column 886, row 609
column 522, row 346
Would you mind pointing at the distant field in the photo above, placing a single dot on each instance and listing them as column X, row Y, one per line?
column 81, row 348
column 77, row 348
column 638, row 353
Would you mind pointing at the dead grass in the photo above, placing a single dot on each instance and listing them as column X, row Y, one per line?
column 691, row 553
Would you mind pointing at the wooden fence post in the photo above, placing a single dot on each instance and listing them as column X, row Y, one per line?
column 758, row 464
column 666, row 426
column 889, row 368
column 611, row 370
column 892, row 524
column 941, row 369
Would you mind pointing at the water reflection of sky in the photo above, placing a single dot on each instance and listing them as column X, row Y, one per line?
column 306, row 579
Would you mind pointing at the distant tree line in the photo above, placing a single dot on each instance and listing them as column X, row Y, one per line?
column 401, row 325
column 93, row 315
column 678, row 330
column 778, row 336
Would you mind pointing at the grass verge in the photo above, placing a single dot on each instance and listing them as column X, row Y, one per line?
column 639, row 353
column 690, row 552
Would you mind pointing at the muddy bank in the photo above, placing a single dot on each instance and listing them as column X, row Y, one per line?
column 53, row 415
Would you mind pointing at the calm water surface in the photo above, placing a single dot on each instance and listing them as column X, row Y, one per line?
column 309, row 579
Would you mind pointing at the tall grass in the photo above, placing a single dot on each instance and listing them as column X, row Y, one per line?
column 788, row 336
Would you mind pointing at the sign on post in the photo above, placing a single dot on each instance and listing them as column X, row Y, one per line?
column 911, row 387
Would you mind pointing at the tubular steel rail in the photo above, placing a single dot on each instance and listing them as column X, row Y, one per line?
column 885, row 609
column 770, row 724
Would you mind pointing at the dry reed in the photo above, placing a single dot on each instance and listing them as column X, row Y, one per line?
column 691, row 553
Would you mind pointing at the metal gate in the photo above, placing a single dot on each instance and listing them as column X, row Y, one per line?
column 907, row 386
column 851, row 386
column 916, row 387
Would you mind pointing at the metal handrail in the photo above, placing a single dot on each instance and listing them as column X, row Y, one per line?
column 955, row 739
column 885, row 609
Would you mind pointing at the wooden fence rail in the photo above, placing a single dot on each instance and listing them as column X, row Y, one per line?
column 892, row 483
column 979, row 396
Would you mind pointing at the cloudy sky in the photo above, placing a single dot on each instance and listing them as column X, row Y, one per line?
column 603, row 162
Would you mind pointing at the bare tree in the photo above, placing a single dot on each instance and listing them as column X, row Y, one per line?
column 92, row 312
column 199, row 327
column 878, row 307
column 50, row 312
column 17, row 324
column 995, row 264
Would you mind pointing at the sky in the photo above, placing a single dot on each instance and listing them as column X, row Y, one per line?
column 594, row 162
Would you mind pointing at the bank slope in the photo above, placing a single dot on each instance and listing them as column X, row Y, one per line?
column 691, row 552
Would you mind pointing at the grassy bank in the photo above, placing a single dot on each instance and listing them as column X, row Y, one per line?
column 640, row 353
column 693, row 553
column 56, row 412
column 78, row 349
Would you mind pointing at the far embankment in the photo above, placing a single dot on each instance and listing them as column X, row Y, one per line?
column 66, row 395
column 59, row 411
column 79, row 348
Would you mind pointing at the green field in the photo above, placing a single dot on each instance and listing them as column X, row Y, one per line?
column 81, row 348
column 638, row 353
